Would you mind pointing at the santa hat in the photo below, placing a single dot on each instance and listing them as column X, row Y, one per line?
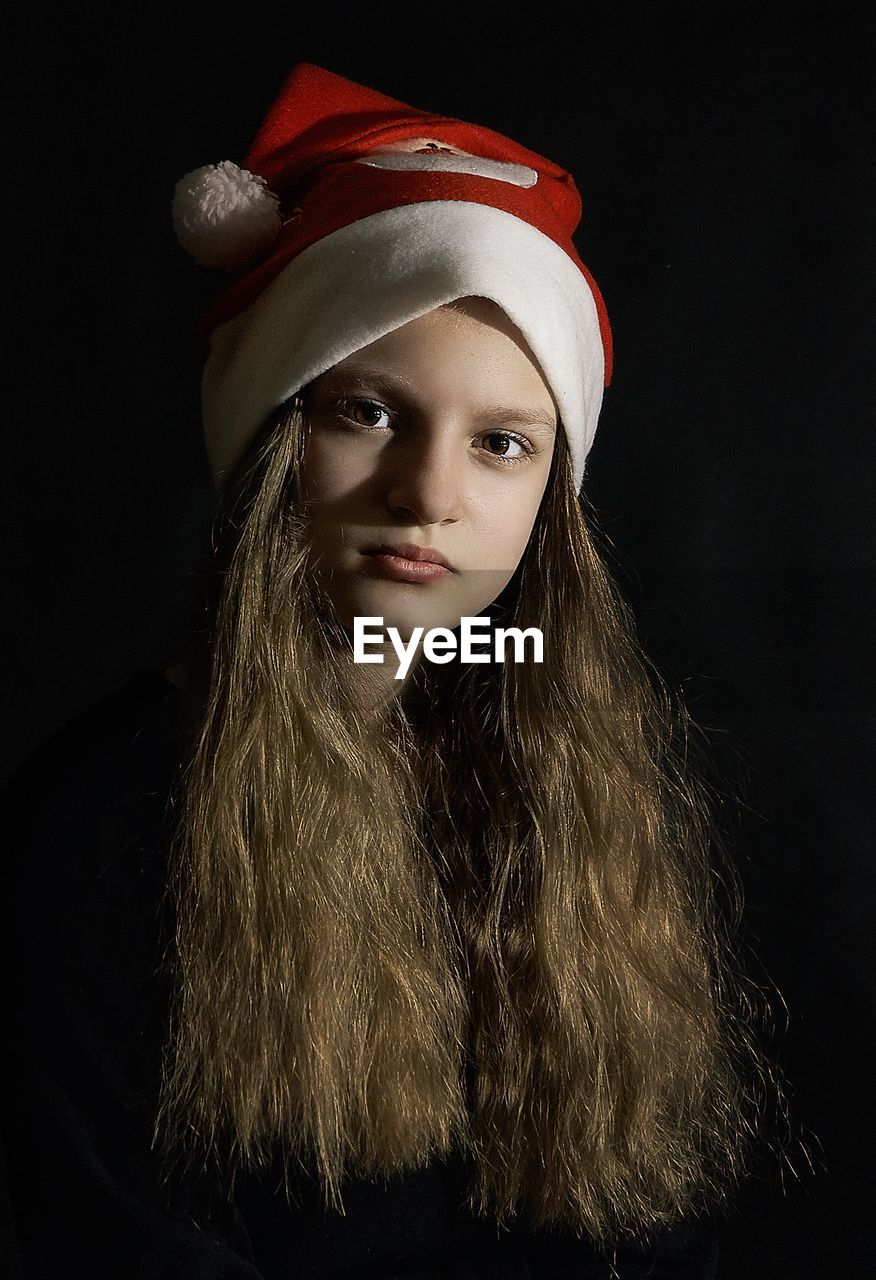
column 354, row 213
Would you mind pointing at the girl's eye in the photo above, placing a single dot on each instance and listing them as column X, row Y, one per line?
column 354, row 406
column 520, row 441
column 505, row 447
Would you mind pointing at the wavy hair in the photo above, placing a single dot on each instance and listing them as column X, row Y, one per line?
column 485, row 921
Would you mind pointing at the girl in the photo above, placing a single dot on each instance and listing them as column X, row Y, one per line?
column 350, row 973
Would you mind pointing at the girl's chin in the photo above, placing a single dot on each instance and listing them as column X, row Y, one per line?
column 403, row 606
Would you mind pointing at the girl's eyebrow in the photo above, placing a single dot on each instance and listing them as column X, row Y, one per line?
column 401, row 388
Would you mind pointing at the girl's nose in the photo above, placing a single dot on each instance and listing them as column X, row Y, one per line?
column 425, row 477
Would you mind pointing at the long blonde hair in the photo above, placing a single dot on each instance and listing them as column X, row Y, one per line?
column 485, row 922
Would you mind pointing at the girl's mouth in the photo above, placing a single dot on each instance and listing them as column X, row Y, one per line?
column 386, row 564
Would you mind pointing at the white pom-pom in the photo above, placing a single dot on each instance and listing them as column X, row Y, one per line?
column 225, row 216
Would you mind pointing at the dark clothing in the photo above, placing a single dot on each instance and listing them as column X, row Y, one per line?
column 89, row 817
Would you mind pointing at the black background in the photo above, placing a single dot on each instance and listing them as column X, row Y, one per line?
column 724, row 156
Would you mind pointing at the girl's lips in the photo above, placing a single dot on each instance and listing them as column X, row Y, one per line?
column 382, row 564
column 409, row 551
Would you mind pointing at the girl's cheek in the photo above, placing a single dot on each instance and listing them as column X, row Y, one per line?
column 339, row 464
column 510, row 538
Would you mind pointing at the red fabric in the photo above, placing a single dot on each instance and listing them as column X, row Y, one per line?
column 306, row 150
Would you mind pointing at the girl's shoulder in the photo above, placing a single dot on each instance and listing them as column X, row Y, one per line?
column 89, row 808
column 111, row 720
column 123, row 744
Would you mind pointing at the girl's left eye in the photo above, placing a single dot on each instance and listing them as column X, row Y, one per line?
column 525, row 447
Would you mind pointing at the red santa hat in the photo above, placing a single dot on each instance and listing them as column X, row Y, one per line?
column 354, row 213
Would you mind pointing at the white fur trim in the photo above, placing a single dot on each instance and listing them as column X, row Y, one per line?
column 366, row 279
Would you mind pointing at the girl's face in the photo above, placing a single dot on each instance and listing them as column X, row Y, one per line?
column 439, row 434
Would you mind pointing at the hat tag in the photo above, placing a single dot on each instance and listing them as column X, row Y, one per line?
column 429, row 155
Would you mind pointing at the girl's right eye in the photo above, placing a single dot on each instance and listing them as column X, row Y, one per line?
column 353, row 406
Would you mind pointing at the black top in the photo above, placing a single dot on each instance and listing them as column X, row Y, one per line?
column 88, row 820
